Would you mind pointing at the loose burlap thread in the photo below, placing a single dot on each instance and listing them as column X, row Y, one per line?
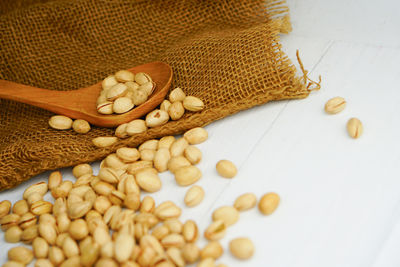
column 225, row 52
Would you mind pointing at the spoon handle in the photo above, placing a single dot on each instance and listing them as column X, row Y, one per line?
column 47, row 99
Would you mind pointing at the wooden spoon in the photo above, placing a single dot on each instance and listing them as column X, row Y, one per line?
column 81, row 103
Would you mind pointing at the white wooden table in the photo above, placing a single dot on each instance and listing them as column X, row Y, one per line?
column 340, row 198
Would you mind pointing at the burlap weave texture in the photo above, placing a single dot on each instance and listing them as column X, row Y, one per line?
column 225, row 52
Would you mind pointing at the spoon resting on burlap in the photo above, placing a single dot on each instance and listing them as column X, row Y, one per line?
column 81, row 103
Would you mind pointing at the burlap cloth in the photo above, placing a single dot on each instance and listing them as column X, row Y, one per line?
column 225, row 52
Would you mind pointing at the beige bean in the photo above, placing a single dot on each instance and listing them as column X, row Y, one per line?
column 177, row 95
column 113, row 161
column 193, row 103
column 13, row 264
column 196, row 135
column 109, row 82
column 60, row 122
column 20, row 207
column 92, row 214
column 106, row 262
column 147, row 205
column 102, row 98
column 165, row 105
column 173, row 240
column 135, row 167
column 268, row 203
column 245, row 202
column 175, row 256
column 40, row 188
column 147, row 256
column 78, row 229
column 130, row 185
column 132, row 86
column 70, row 247
column 176, row 111
column 146, row 219
column 20, row 254
column 160, row 232
column 81, row 126
column 187, row 175
column 147, row 154
column 215, row 231
column 63, row 222
column 41, row 207
column 29, row 234
column 40, row 247
column 117, row 197
column 27, row 220
column 124, row 76
column 104, row 141
column 62, row 190
column 156, row 118
column 194, row 196
column 161, row 158
column 89, row 254
column 105, row 108
column 122, row 105
column 47, row 218
column 127, row 154
column 167, row 210
column 174, row 225
column 213, row 250
column 132, row 201
column 43, row 263
column 123, row 247
column 109, row 175
column 13, row 234
column 9, row 221
column 84, row 180
column 71, row 262
column 226, row 169
column 354, row 128
column 56, row 255
column 103, row 188
column 151, row 144
column 121, row 132
column 82, row 169
column 142, row 78
column 191, row 252
column 229, row 215
column 116, row 91
column 5, row 207
column 55, row 179
column 178, row 147
column 48, row 232
column 176, row 163
column 139, row 96
column 242, row 248
column 148, row 87
column 34, row 197
column 101, row 236
column 193, row 154
column 207, row 262
column 190, row 231
column 166, row 142
column 60, row 206
column 101, row 204
column 148, row 180
column 335, row 105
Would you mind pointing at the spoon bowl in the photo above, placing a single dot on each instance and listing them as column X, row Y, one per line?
column 81, row 103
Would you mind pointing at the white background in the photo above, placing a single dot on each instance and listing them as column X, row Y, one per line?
column 340, row 198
